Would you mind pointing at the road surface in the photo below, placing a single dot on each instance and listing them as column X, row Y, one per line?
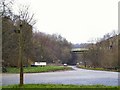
column 76, row 77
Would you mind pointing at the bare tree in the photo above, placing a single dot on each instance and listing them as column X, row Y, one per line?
column 6, row 7
column 26, row 21
column 26, row 16
column 23, row 23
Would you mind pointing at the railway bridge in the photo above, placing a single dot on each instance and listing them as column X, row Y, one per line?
column 78, row 56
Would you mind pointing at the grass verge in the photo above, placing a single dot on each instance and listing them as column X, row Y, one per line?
column 38, row 69
column 101, row 69
column 58, row 86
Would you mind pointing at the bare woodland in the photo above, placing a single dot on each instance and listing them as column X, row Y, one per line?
column 54, row 49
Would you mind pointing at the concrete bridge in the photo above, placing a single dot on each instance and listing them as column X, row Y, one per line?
column 81, row 58
column 79, row 50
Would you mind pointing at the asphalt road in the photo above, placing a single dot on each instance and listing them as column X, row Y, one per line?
column 76, row 76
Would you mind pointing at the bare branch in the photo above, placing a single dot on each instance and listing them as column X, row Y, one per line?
column 6, row 7
column 26, row 15
column 31, row 18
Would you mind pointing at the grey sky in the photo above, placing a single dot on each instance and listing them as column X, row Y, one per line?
column 77, row 20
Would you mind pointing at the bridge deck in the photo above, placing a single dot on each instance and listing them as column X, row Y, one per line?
column 79, row 50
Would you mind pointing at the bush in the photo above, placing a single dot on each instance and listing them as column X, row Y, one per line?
column 4, row 69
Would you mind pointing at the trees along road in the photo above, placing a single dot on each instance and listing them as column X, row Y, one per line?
column 76, row 77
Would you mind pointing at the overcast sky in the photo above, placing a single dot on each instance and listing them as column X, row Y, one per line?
column 78, row 21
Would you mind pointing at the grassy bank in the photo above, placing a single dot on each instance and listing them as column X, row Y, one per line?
column 37, row 69
column 58, row 86
column 101, row 69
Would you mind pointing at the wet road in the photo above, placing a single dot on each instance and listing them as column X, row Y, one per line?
column 76, row 76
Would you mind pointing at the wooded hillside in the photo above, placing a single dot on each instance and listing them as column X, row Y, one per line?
column 37, row 46
column 104, row 53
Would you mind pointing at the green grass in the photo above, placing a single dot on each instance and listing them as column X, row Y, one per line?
column 58, row 86
column 38, row 69
column 101, row 69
